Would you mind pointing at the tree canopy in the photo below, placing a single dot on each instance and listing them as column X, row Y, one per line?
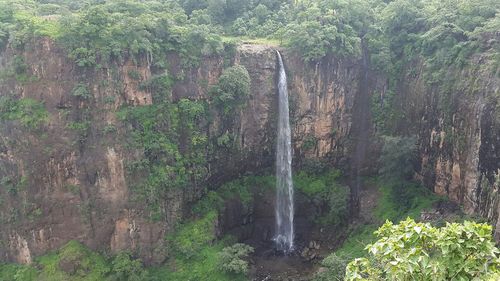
column 95, row 31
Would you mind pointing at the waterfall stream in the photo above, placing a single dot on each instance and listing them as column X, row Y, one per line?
column 284, row 184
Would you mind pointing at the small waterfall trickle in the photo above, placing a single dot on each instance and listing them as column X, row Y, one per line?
column 284, row 184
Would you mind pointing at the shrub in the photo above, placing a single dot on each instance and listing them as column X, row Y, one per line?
column 29, row 112
column 325, row 188
column 232, row 259
column 134, row 74
column 333, row 268
column 15, row 272
column 73, row 261
column 418, row 251
column 81, row 91
column 232, row 90
column 124, row 268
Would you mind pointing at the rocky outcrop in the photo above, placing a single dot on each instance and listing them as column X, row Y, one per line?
column 68, row 178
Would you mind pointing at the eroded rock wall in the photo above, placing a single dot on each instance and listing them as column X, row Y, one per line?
column 71, row 182
column 458, row 127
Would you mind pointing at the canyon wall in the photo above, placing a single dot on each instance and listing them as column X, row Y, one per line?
column 457, row 123
column 61, row 182
column 68, row 179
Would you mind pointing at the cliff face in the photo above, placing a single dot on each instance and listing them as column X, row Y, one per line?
column 68, row 179
column 458, row 129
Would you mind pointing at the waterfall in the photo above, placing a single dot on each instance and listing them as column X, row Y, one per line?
column 284, row 183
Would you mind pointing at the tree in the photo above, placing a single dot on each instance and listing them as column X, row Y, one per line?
column 232, row 90
column 419, row 251
column 124, row 268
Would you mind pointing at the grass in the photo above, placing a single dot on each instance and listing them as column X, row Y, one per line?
column 85, row 266
column 202, row 266
column 195, row 253
column 15, row 272
column 191, row 237
column 257, row 41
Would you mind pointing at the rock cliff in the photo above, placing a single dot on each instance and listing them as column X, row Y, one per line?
column 68, row 179
column 457, row 123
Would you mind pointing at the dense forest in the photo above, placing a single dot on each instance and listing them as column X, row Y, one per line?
column 448, row 50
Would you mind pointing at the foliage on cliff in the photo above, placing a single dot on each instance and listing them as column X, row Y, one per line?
column 75, row 262
column 28, row 112
column 173, row 135
column 325, row 190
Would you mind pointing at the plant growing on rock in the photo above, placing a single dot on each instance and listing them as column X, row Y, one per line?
column 29, row 112
column 232, row 258
column 232, row 90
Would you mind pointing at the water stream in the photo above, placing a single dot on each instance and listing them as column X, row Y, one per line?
column 284, row 184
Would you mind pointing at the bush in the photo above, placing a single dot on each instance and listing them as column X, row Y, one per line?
column 333, row 268
column 231, row 259
column 81, row 91
column 124, row 268
column 232, row 90
column 15, row 272
column 324, row 189
column 29, row 112
column 418, row 251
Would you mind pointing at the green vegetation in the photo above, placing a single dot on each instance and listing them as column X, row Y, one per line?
column 232, row 258
column 95, row 32
column 332, row 197
column 17, row 69
column 160, row 130
column 28, row 112
column 232, row 90
column 390, row 206
column 125, row 268
column 171, row 136
column 242, row 189
column 81, row 91
column 203, row 266
column 418, row 251
column 75, row 262
column 15, row 272
column 193, row 236
column 196, row 253
column 12, row 185
column 399, row 198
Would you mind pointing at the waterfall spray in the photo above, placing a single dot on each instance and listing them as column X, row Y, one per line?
column 284, row 184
